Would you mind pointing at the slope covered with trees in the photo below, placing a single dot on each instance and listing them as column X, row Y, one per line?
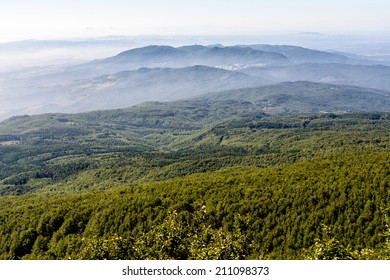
column 179, row 181
column 277, row 211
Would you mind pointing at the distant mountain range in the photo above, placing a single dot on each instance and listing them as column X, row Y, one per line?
column 165, row 73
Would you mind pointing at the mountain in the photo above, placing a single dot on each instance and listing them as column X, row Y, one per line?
column 371, row 76
column 214, row 56
column 169, row 57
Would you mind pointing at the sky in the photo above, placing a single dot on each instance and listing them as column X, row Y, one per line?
column 60, row 19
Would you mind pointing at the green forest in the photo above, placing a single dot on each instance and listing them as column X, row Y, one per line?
column 195, row 179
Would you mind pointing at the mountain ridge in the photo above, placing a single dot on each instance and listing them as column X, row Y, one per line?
column 109, row 83
column 168, row 56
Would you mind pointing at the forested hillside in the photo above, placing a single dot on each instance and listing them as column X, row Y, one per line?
column 194, row 180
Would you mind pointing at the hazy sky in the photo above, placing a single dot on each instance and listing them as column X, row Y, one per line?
column 52, row 19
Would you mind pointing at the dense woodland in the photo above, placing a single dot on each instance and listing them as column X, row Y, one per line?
column 195, row 180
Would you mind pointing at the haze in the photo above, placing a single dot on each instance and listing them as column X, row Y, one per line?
column 44, row 19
